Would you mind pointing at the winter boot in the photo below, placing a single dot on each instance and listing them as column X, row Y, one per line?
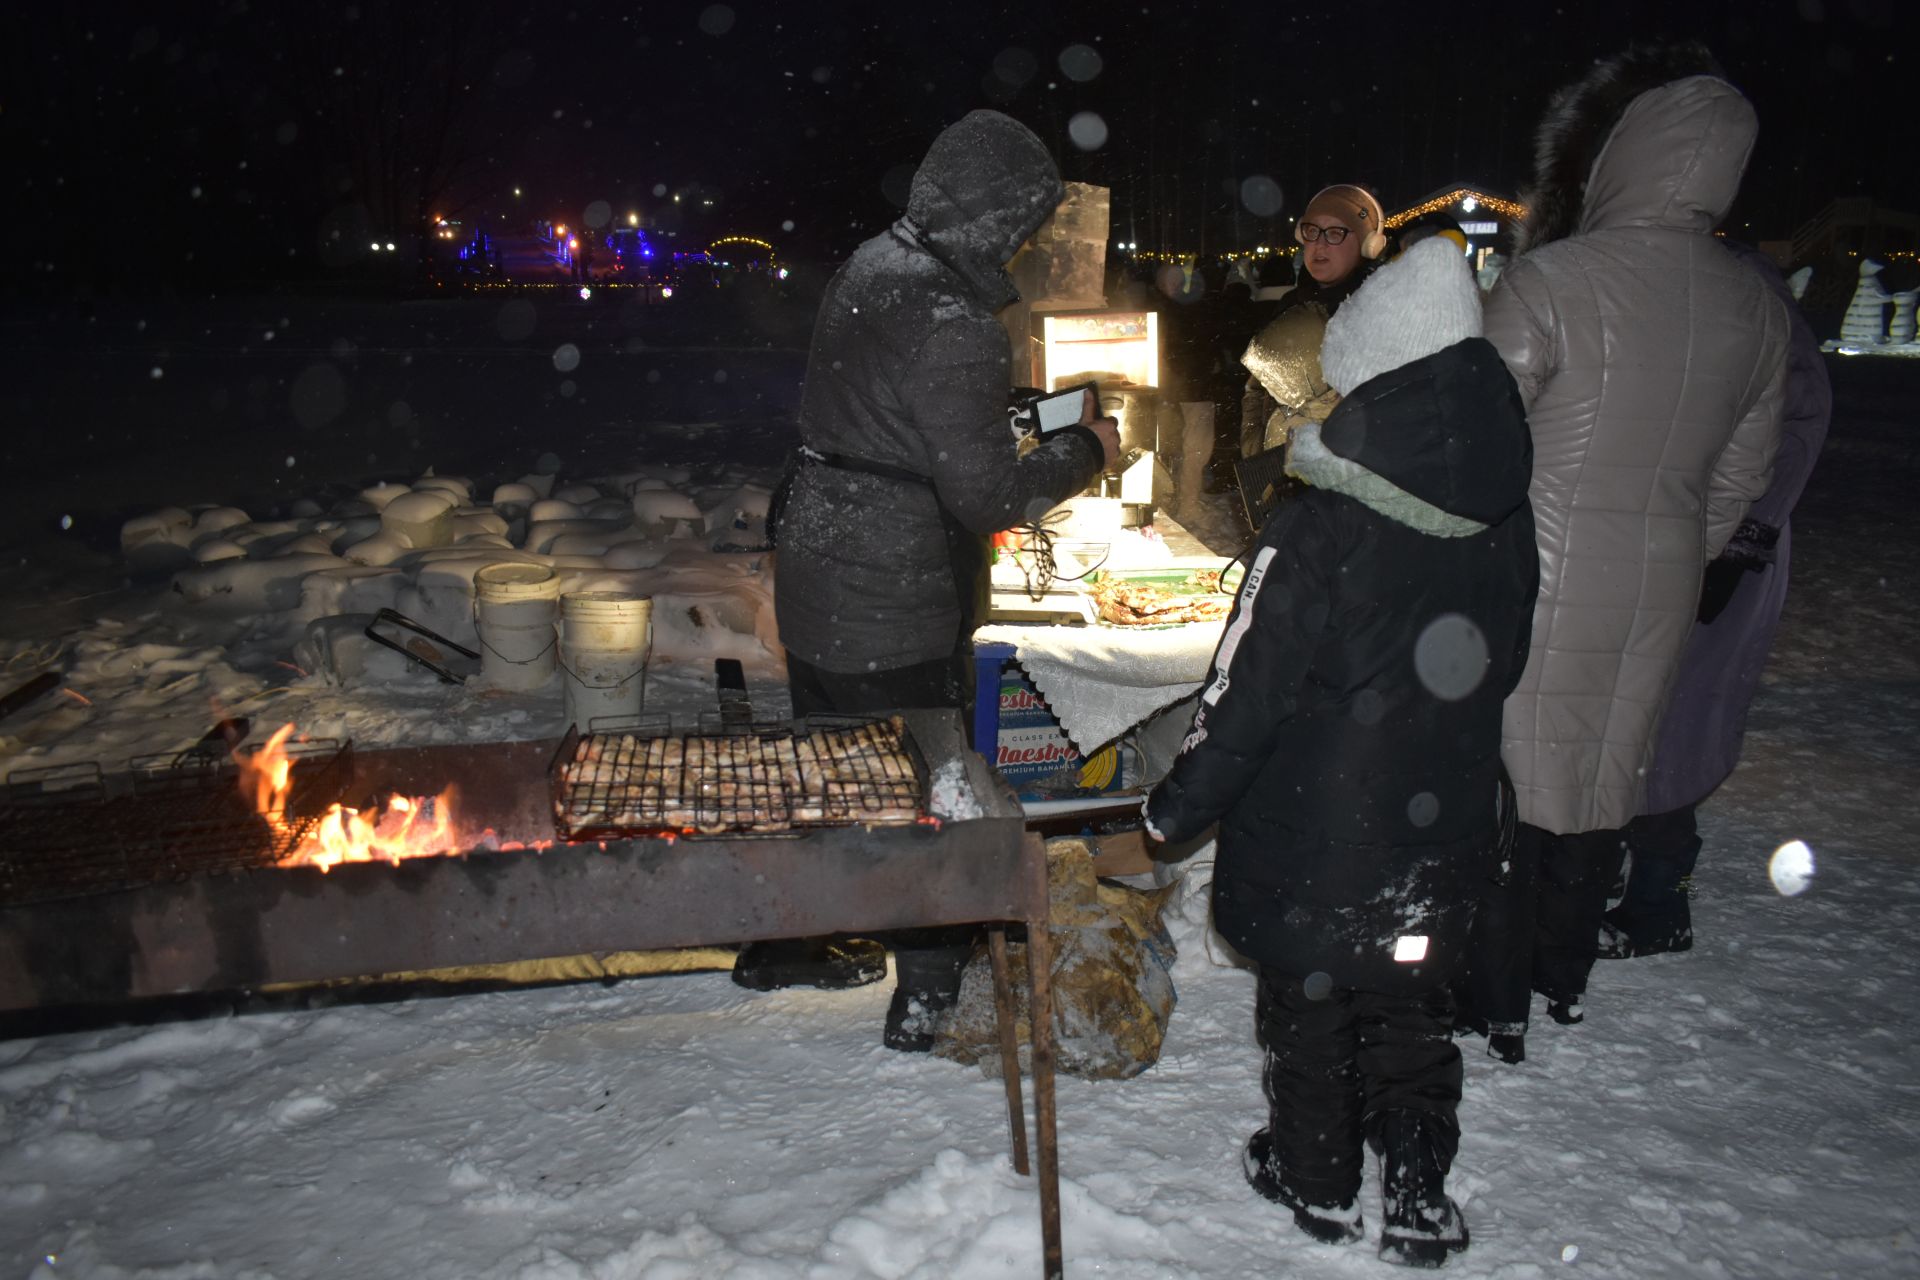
column 1329, row 1224
column 1504, row 1044
column 929, row 985
column 1423, row 1226
column 830, row 964
column 1624, row 938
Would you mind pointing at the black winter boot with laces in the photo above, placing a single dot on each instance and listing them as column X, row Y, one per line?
column 1423, row 1226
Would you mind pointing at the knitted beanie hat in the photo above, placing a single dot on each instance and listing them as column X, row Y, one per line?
column 1422, row 302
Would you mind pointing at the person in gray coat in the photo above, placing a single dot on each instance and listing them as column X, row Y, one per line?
column 1650, row 361
column 907, row 466
column 1706, row 718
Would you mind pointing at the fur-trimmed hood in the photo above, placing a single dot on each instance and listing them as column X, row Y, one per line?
column 1652, row 137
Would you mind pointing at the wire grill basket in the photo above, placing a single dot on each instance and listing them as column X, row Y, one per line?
column 70, row 830
column 648, row 781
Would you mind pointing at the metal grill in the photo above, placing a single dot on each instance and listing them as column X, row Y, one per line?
column 69, row 830
column 824, row 773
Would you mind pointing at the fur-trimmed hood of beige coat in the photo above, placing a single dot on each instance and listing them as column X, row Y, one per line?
column 1650, row 362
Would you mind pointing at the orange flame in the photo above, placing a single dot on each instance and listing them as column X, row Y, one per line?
column 403, row 827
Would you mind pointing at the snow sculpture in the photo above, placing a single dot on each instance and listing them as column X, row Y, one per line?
column 1901, row 331
column 157, row 541
column 1865, row 321
column 379, row 495
column 553, row 509
column 420, row 518
column 512, row 500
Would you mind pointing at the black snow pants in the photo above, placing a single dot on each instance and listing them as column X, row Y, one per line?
column 1336, row 1065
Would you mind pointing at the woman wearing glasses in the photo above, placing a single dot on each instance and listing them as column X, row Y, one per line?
column 1342, row 238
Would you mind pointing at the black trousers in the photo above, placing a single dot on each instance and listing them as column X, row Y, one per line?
column 1665, row 848
column 1576, row 874
column 1538, row 929
column 926, row 961
column 1336, row 1065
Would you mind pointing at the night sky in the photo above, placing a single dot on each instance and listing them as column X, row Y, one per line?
column 223, row 140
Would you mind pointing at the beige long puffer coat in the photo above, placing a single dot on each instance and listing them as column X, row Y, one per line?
column 1650, row 362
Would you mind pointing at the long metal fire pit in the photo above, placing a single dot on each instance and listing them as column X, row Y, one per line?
column 249, row 928
column 236, row 929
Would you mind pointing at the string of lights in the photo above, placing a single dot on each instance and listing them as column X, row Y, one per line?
column 758, row 244
column 1510, row 209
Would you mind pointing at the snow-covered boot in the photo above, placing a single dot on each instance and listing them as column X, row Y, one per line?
column 1568, row 1013
column 1329, row 1224
column 1506, row 1041
column 1423, row 1226
column 929, row 985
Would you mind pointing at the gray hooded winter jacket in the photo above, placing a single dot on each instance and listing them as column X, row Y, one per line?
column 910, row 370
column 1650, row 363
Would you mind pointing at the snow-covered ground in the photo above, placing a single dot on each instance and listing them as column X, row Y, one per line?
column 1746, row 1110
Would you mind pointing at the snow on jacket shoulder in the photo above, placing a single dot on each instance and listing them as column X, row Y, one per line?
column 909, row 369
column 1650, row 362
column 1348, row 738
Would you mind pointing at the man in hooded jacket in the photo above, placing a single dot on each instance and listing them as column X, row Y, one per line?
column 1650, row 362
column 907, row 465
column 1348, row 744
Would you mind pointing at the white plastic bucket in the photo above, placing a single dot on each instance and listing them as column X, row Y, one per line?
column 514, row 609
column 603, row 653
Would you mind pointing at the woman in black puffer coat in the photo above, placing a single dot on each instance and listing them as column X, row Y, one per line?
column 1348, row 744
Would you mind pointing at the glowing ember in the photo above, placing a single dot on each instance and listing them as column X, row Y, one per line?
column 403, row 827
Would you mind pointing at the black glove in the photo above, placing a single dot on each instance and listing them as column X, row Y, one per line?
column 1719, row 583
column 1749, row 551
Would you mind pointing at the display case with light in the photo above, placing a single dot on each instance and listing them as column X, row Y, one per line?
column 1118, row 343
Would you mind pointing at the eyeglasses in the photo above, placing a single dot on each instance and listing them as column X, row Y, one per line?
column 1311, row 231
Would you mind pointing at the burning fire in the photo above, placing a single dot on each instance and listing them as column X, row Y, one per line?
column 402, row 827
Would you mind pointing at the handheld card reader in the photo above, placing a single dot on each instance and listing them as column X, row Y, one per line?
column 1044, row 412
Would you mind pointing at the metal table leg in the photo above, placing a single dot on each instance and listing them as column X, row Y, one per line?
column 1009, row 1044
column 1040, row 975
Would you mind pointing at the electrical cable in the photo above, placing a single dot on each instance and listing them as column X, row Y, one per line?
column 1043, row 570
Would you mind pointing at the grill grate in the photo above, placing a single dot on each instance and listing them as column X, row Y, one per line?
column 68, row 830
column 648, row 781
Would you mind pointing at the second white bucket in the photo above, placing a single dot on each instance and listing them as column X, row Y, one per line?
column 603, row 652
column 515, row 606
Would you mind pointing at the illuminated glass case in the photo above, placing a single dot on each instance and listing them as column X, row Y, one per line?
column 1072, row 344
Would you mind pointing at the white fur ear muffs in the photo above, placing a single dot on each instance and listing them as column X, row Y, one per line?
column 1375, row 242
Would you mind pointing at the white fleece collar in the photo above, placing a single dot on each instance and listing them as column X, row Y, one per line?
column 1309, row 459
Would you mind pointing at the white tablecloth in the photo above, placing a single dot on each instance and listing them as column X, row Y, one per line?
column 1102, row 681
